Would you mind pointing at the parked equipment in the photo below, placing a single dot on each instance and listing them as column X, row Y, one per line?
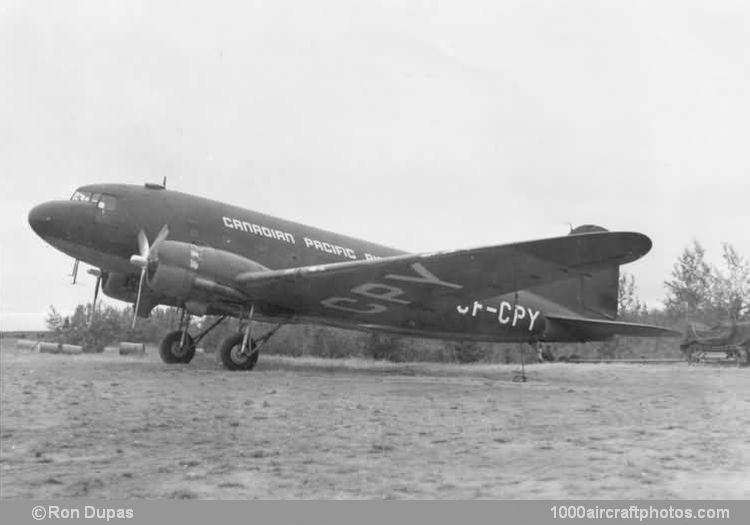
column 722, row 344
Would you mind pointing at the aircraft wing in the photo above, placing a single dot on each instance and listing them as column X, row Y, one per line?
column 387, row 291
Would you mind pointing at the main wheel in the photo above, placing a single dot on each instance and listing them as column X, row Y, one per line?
column 170, row 350
column 231, row 356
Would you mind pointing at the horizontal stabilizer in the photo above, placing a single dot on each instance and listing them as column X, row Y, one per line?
column 560, row 328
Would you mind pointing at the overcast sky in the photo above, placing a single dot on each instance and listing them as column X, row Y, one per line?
column 422, row 125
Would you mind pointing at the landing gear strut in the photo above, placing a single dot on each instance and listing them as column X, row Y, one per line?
column 240, row 351
column 178, row 346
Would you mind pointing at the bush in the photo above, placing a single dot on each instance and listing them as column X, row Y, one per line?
column 469, row 352
column 93, row 334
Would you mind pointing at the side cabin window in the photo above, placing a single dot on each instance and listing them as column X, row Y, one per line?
column 107, row 203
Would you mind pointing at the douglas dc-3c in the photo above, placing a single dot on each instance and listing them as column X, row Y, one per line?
column 154, row 246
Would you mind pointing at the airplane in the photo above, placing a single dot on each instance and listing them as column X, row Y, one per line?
column 153, row 246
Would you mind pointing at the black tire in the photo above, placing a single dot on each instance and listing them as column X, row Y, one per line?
column 229, row 353
column 741, row 357
column 170, row 351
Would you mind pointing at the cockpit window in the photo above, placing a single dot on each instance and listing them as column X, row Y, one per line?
column 107, row 202
column 81, row 196
column 102, row 201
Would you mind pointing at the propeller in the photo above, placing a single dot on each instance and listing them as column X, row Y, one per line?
column 97, row 286
column 146, row 255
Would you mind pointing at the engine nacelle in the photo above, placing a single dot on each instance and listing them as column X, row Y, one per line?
column 183, row 270
column 119, row 286
column 124, row 287
column 171, row 280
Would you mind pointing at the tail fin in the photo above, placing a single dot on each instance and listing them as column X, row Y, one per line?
column 593, row 295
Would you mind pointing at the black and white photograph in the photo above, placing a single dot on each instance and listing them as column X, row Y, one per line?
column 374, row 250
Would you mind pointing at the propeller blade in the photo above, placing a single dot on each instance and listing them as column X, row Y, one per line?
column 138, row 297
column 143, row 247
column 96, row 295
column 163, row 233
column 74, row 273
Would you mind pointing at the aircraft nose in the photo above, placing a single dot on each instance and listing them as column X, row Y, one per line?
column 47, row 217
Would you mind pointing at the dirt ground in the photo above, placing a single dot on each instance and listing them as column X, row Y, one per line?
column 106, row 426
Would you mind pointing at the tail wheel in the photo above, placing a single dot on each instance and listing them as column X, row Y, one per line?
column 231, row 354
column 743, row 356
column 691, row 351
column 170, row 350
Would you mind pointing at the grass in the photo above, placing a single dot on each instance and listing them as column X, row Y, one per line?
column 367, row 366
column 358, row 365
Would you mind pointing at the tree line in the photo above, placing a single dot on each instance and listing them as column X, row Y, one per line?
column 110, row 325
column 699, row 291
column 695, row 292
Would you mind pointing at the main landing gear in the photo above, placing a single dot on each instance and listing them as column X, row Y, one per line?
column 178, row 346
column 239, row 351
